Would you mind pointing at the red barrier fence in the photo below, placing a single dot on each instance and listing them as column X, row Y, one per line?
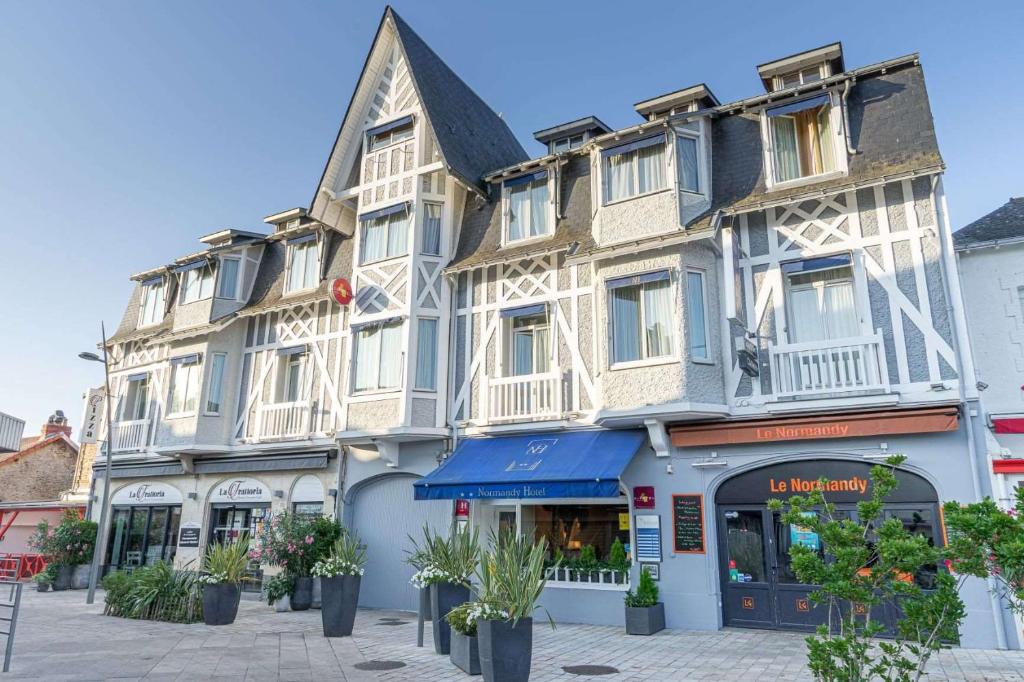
column 26, row 565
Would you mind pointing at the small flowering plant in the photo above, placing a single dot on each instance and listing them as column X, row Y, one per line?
column 432, row 575
column 348, row 557
column 287, row 540
column 463, row 617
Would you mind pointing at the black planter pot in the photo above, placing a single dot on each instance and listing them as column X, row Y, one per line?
column 302, row 596
column 505, row 650
column 645, row 620
column 62, row 581
column 338, row 599
column 443, row 598
column 465, row 653
column 220, row 603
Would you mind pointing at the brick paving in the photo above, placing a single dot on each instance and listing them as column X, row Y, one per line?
column 60, row 638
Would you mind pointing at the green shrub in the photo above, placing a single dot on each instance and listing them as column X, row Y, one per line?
column 278, row 587
column 156, row 592
column 617, row 560
column 588, row 559
column 512, row 576
column 646, row 592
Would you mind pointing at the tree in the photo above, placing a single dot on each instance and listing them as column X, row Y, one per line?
column 869, row 565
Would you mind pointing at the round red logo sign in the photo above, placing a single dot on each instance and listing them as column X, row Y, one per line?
column 341, row 291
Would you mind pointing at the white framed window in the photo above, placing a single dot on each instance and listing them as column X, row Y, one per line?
column 389, row 133
column 633, row 169
column 383, row 234
column 640, row 315
column 820, row 301
column 688, row 163
column 153, row 302
column 527, row 207
column 196, row 282
column 431, row 245
column 378, row 356
column 303, row 263
column 227, row 278
column 808, row 74
column 566, row 143
column 215, row 383
column 697, row 315
column 184, row 389
column 802, row 139
column 135, row 398
column 290, row 383
column 528, row 335
column 426, row 354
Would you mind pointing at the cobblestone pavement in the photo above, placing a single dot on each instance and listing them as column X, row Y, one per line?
column 60, row 638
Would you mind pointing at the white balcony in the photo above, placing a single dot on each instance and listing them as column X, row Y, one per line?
column 524, row 398
column 826, row 368
column 130, row 435
column 283, row 420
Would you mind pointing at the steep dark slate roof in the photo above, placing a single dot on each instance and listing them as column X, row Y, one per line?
column 480, row 239
column 891, row 128
column 128, row 329
column 268, row 289
column 472, row 138
column 1006, row 222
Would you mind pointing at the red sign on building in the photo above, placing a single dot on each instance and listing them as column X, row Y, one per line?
column 643, row 497
column 462, row 507
column 341, row 291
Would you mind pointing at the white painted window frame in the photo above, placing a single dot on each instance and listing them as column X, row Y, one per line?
column 706, row 359
column 824, row 71
column 195, row 383
column 670, row 182
column 672, row 357
column 238, row 278
column 353, row 391
column 858, row 279
column 205, row 272
column 702, row 169
column 507, row 349
column 159, row 311
column 506, row 208
column 207, row 412
column 291, row 250
column 283, row 364
column 123, row 399
column 839, row 147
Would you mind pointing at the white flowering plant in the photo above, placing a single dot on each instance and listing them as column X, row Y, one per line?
column 450, row 558
column 432, row 575
column 214, row 578
column 348, row 557
column 463, row 617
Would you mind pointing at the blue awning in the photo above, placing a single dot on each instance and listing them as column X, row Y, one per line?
column 814, row 264
column 291, row 350
column 190, row 359
column 302, row 239
column 525, row 311
column 633, row 280
column 633, row 146
column 153, row 281
column 380, row 213
column 191, row 265
column 529, row 177
column 803, row 104
column 538, row 465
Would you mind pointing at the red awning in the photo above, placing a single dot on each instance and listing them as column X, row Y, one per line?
column 1008, row 466
column 1009, row 425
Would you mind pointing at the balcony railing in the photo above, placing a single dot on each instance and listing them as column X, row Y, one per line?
column 836, row 366
column 283, row 420
column 130, row 435
column 604, row 579
column 526, row 397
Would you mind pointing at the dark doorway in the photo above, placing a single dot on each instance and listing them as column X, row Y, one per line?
column 759, row 588
column 231, row 522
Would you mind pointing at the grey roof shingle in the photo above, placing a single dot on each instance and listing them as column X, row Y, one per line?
column 268, row 289
column 1006, row 222
column 472, row 138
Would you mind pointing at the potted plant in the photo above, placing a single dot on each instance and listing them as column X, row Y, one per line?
column 340, row 575
column 645, row 615
column 511, row 581
column 325, row 531
column 588, row 564
column 43, row 579
column 465, row 650
column 618, row 561
column 287, row 540
column 224, row 566
column 558, row 563
column 419, row 559
column 451, row 561
column 46, row 541
column 279, row 591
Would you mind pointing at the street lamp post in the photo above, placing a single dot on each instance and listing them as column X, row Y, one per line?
column 101, row 531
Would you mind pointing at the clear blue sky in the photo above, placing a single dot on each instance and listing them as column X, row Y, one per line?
column 129, row 129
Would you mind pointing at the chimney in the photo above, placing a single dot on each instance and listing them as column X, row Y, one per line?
column 57, row 423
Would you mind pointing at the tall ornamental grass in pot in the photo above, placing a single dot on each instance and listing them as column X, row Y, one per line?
column 512, row 577
column 340, row 575
column 223, row 567
column 450, row 563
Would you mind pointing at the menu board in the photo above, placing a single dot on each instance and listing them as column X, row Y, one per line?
column 688, row 524
column 188, row 536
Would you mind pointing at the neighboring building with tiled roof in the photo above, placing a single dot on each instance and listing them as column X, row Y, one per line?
column 1005, row 224
column 43, row 468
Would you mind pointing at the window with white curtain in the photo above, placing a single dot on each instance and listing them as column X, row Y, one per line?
column 227, row 278
column 215, row 385
column 426, row 354
column 696, row 314
column 688, row 163
column 431, row 229
column 378, row 363
column 196, row 284
column 290, row 381
column 802, row 139
column 633, row 169
column 153, row 304
column 303, row 263
column 135, row 399
column 184, row 390
column 820, row 299
column 384, row 234
column 528, row 340
column 640, row 314
column 527, row 207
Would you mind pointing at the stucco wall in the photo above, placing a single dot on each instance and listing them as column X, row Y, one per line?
column 374, row 414
column 638, row 217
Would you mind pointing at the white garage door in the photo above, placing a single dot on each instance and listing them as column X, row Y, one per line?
column 385, row 514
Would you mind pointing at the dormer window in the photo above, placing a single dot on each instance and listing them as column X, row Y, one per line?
column 196, row 282
column 634, row 169
column 303, row 263
column 153, row 302
column 527, row 204
column 566, row 143
column 389, row 134
column 801, row 77
column 802, row 139
column 688, row 157
column 227, row 278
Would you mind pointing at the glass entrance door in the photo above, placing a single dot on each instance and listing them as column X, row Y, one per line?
column 232, row 522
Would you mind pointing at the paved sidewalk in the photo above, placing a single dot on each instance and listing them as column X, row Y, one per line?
column 60, row 638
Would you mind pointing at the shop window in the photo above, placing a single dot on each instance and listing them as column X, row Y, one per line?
column 569, row 528
column 745, row 546
column 308, row 510
column 142, row 536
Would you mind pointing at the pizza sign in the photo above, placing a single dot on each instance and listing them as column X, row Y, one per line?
column 341, row 291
